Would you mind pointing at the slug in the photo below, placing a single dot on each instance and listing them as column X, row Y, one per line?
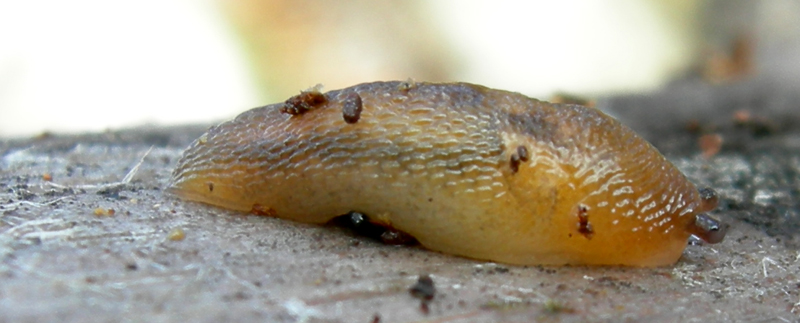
column 466, row 170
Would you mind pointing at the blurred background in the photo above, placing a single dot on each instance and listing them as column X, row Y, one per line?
column 92, row 65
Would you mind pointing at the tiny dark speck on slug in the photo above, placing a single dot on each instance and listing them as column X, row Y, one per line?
column 514, row 162
column 463, row 169
column 522, row 152
column 351, row 108
column 584, row 227
column 304, row 102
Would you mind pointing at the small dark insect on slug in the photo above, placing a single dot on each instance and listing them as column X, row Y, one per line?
column 464, row 169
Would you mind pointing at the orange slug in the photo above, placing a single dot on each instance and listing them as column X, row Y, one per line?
column 464, row 169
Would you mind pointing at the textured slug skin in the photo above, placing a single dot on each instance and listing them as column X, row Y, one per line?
column 434, row 161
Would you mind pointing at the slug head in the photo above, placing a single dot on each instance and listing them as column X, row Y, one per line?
column 625, row 203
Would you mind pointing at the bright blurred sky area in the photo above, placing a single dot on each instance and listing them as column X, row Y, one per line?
column 92, row 65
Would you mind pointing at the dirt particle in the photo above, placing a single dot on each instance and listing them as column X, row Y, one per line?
column 176, row 234
column 555, row 307
column 259, row 209
column 407, row 85
column 24, row 194
column 584, row 227
column 305, row 101
column 351, row 108
column 514, row 163
column 423, row 289
column 240, row 295
column 397, row 237
column 104, row 212
column 522, row 152
column 490, row 269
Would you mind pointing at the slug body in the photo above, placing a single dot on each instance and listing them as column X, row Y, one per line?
column 464, row 169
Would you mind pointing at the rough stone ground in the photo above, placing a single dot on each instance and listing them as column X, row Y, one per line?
column 60, row 261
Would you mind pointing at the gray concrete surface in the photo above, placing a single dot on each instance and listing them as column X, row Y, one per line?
column 59, row 261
